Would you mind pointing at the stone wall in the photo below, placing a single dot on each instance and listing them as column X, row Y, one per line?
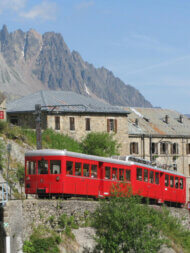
column 20, row 217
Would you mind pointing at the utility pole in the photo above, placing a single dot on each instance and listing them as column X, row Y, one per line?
column 38, row 126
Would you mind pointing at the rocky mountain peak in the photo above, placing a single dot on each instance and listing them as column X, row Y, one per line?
column 45, row 61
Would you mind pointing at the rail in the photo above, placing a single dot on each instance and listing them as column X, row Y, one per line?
column 3, row 193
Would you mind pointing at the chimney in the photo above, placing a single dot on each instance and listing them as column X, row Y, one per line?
column 166, row 119
column 136, row 122
column 181, row 118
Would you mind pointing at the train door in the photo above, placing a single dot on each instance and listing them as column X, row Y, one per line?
column 43, row 181
column 80, row 181
column 162, row 186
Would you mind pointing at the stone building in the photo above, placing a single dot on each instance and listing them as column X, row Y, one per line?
column 71, row 114
column 162, row 136
column 2, row 108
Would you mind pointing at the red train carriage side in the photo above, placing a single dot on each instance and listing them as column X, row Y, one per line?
column 56, row 172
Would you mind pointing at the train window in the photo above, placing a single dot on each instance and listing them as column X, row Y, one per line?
column 42, row 167
column 86, row 170
column 157, row 178
column 171, row 181
column 31, row 167
column 78, row 169
column 55, row 167
column 139, row 174
column 121, row 174
column 107, row 173
column 151, row 177
column 69, row 168
column 176, row 182
column 181, row 183
column 128, row 175
column 94, row 171
column 145, row 175
column 166, row 180
column 114, row 173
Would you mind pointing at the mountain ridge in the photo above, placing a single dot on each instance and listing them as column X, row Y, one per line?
column 46, row 62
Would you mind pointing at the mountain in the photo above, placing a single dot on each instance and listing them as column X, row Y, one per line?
column 30, row 62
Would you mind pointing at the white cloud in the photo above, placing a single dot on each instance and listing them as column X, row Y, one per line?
column 84, row 5
column 12, row 4
column 45, row 10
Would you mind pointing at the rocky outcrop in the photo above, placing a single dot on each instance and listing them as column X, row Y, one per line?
column 31, row 61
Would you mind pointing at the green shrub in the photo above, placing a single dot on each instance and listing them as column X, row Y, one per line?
column 54, row 140
column 42, row 241
column 3, row 126
column 101, row 144
column 67, row 223
column 123, row 225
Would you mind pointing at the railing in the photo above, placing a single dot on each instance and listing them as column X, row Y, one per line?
column 3, row 193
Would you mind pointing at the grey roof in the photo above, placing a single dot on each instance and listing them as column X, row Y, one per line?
column 151, row 121
column 70, row 101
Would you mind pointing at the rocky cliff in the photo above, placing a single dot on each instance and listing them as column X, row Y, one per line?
column 30, row 61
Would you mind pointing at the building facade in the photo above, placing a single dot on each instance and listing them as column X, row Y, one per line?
column 161, row 136
column 71, row 114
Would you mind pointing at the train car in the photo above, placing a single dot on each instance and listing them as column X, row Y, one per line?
column 57, row 173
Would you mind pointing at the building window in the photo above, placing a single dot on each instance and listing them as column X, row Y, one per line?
column 134, row 148
column 112, row 125
column 163, row 148
column 174, row 148
column 14, row 120
column 57, row 123
column 188, row 148
column 72, row 123
column 87, row 124
column 154, row 148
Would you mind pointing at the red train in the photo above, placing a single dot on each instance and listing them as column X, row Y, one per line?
column 63, row 173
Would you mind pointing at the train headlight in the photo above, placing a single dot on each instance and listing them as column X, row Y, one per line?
column 27, row 178
column 57, row 178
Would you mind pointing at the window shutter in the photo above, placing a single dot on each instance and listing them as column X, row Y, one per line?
column 137, row 148
column 115, row 126
column 131, row 148
column 171, row 149
column 108, row 125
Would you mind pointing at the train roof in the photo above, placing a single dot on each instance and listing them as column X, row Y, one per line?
column 57, row 152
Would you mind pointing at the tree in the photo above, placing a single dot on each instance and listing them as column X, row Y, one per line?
column 101, row 144
column 123, row 225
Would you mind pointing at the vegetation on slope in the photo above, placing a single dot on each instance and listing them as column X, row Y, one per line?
column 123, row 224
column 102, row 144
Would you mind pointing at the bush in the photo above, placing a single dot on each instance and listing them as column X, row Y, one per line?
column 101, row 144
column 3, row 126
column 67, row 223
column 42, row 241
column 54, row 140
column 123, row 225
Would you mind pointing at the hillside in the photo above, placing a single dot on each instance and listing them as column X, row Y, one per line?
column 30, row 62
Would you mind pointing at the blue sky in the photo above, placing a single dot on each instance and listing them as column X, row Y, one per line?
column 146, row 43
